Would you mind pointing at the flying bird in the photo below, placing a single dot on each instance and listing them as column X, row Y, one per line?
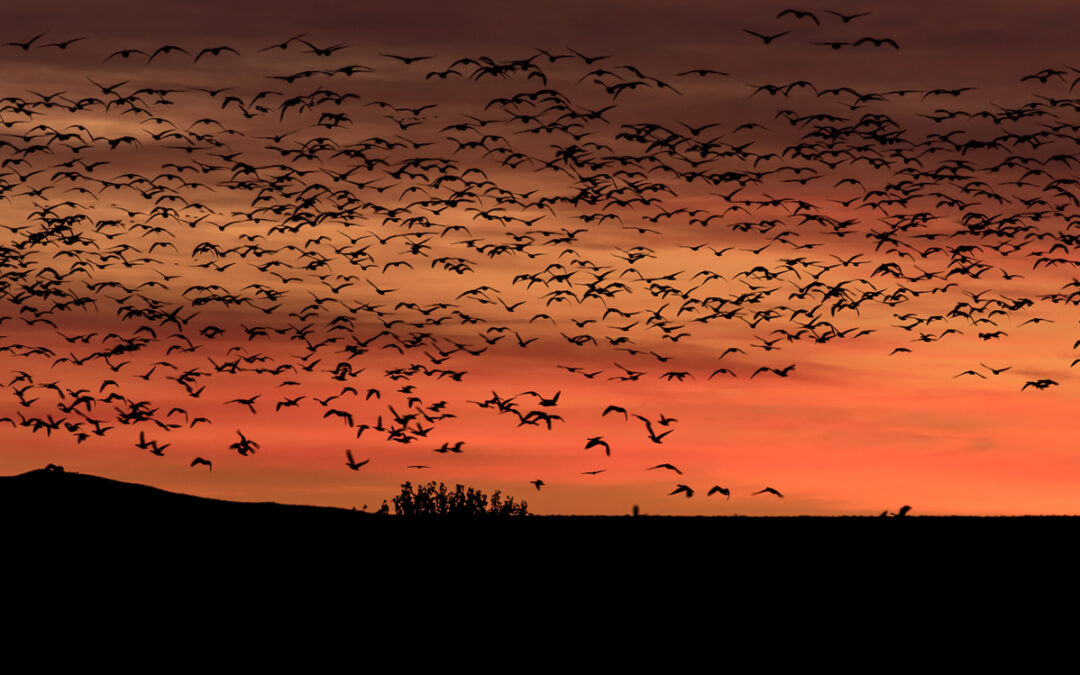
column 352, row 463
column 407, row 59
column 768, row 490
column 878, row 42
column 682, row 489
column 244, row 446
column 669, row 467
column 798, row 14
column 283, row 45
column 598, row 441
column 615, row 409
column 167, row 49
column 63, row 44
column 25, row 46
column 767, row 39
column 215, row 51
column 846, row 18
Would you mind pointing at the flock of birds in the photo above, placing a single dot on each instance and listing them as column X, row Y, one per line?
column 349, row 252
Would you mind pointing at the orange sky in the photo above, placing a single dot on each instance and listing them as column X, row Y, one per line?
column 853, row 429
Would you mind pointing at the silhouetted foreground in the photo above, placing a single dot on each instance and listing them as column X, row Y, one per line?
column 77, row 543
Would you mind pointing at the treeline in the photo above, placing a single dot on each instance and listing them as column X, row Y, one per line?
column 438, row 500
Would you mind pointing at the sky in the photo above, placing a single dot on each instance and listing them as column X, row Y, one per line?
column 412, row 226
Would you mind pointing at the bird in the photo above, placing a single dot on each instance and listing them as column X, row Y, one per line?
column 703, row 72
column 767, row 39
column 538, row 484
column 407, row 59
column 589, row 60
column 63, row 44
column 782, row 372
column 25, row 46
column 283, row 45
column 878, row 42
column 768, row 490
column 615, row 409
column 669, row 467
column 798, row 14
column 249, row 402
column 716, row 489
column 352, row 463
column 323, row 51
column 125, row 53
column 970, row 372
column 244, row 446
column 682, row 489
column 215, row 51
column 201, row 461
column 167, row 49
column 598, row 441
column 847, row 18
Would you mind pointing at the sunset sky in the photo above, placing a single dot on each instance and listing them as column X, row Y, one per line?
column 594, row 220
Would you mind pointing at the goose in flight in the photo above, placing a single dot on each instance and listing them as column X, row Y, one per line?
column 769, row 490
column 683, row 489
column 352, row 463
column 669, row 467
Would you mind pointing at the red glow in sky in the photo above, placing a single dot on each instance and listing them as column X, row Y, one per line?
column 837, row 266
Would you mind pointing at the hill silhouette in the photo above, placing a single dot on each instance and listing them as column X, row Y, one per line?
column 63, row 495
column 84, row 540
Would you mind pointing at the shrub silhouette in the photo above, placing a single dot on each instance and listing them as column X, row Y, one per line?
column 432, row 500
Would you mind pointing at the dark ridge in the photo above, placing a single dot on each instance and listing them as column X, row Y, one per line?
column 67, row 494
column 85, row 542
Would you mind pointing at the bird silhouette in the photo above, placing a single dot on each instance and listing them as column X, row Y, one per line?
column 166, row 49
column 877, row 42
column 847, row 18
column 767, row 39
column 798, row 14
column 682, row 489
column 669, row 467
column 244, row 446
column 25, row 46
column 407, row 60
column 352, row 463
column 598, row 441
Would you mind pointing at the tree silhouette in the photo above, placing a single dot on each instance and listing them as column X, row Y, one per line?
column 438, row 500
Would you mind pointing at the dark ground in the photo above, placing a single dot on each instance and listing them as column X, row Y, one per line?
column 82, row 553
